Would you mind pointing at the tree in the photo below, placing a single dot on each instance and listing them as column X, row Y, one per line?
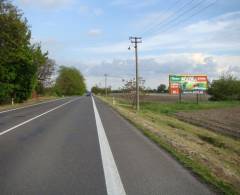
column 45, row 72
column 225, row 88
column 70, row 81
column 129, row 90
column 99, row 90
column 161, row 88
column 17, row 68
column 46, row 68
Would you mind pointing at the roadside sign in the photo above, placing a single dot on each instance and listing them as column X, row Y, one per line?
column 188, row 84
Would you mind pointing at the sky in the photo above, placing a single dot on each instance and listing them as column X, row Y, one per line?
column 178, row 37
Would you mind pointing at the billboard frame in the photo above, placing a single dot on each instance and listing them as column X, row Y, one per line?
column 178, row 90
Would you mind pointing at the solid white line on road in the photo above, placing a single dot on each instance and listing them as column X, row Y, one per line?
column 112, row 178
column 31, row 119
column 31, row 105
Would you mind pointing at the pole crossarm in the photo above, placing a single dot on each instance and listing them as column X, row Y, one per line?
column 136, row 41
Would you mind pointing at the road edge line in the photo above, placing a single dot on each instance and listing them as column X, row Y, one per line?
column 32, row 105
column 112, row 178
column 31, row 119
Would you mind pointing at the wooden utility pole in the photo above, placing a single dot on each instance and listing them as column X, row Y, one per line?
column 106, row 84
column 136, row 40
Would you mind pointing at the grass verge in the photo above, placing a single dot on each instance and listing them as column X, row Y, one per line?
column 212, row 157
column 172, row 108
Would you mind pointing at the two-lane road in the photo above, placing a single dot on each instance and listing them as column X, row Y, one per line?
column 81, row 146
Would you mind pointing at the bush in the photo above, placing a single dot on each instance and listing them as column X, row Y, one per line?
column 226, row 88
column 70, row 81
column 98, row 90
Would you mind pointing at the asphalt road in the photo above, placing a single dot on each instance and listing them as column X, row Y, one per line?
column 81, row 146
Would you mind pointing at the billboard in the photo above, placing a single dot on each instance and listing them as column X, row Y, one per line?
column 194, row 84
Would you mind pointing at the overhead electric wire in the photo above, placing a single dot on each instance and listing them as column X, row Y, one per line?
column 165, row 10
column 189, row 17
column 177, row 17
column 169, row 17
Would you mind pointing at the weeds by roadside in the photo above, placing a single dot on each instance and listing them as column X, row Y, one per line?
column 213, row 157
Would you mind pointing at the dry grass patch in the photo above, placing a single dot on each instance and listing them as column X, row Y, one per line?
column 212, row 156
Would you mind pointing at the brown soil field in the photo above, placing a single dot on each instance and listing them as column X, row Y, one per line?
column 221, row 120
column 224, row 120
column 168, row 98
column 174, row 98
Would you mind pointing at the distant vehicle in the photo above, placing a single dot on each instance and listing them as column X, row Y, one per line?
column 88, row 94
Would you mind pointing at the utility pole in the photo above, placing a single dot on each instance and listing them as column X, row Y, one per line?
column 106, row 84
column 136, row 40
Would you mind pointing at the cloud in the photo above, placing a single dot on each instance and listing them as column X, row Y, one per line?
column 95, row 32
column 98, row 11
column 46, row 3
column 116, row 48
column 84, row 9
column 133, row 4
column 147, row 21
column 155, row 69
column 219, row 34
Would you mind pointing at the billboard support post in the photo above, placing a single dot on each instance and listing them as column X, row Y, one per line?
column 180, row 95
column 188, row 84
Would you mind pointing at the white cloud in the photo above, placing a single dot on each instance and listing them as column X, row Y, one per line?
column 117, row 48
column 190, row 50
column 46, row 3
column 218, row 34
column 133, row 4
column 155, row 69
column 86, row 10
column 95, row 32
column 147, row 21
column 98, row 11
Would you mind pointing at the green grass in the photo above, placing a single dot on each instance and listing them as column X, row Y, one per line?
column 212, row 140
column 197, row 168
column 171, row 108
column 211, row 156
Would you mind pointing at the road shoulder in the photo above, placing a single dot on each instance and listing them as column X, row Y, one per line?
column 152, row 169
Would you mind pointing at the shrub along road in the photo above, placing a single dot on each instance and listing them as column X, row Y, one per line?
column 74, row 146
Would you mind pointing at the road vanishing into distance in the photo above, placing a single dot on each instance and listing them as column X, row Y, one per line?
column 79, row 145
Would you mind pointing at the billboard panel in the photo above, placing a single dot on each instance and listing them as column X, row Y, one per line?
column 188, row 84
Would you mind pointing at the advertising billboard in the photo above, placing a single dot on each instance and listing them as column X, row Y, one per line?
column 195, row 84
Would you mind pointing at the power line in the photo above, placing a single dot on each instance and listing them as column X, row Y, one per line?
column 157, row 22
column 170, row 16
column 177, row 17
column 189, row 17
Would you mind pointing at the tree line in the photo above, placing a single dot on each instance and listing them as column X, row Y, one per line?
column 227, row 87
column 24, row 67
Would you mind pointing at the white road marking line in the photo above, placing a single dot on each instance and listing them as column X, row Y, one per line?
column 30, row 105
column 112, row 178
column 31, row 119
